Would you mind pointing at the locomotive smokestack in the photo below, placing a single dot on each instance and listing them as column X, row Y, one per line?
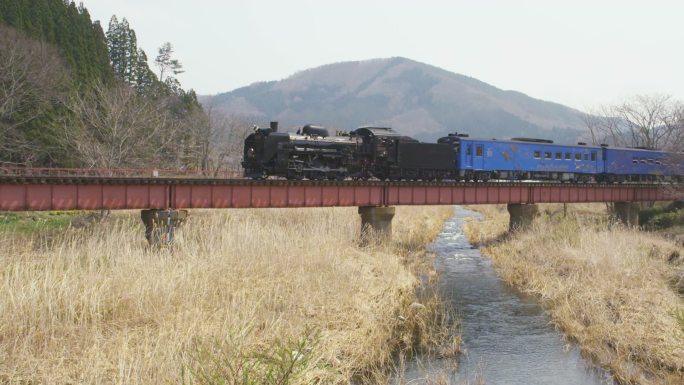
column 274, row 126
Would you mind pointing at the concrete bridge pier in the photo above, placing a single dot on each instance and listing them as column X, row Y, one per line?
column 160, row 225
column 376, row 223
column 627, row 213
column 521, row 216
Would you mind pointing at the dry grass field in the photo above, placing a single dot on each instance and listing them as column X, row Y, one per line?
column 244, row 297
column 616, row 292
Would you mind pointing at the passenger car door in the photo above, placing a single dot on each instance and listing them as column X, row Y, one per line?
column 478, row 159
column 468, row 158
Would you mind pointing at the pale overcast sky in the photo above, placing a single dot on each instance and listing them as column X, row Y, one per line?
column 580, row 53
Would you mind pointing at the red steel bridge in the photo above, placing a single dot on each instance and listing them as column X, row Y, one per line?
column 160, row 192
column 73, row 189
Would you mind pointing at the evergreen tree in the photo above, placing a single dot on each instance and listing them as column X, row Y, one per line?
column 67, row 26
column 11, row 12
column 101, row 53
column 114, row 46
column 127, row 60
column 145, row 81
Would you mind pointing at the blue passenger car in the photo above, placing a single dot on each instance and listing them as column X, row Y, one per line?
column 633, row 164
column 484, row 159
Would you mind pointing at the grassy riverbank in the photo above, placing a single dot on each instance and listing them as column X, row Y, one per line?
column 244, row 297
column 28, row 223
column 616, row 292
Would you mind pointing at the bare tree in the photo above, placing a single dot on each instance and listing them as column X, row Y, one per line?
column 215, row 141
column 650, row 121
column 232, row 131
column 113, row 127
column 32, row 78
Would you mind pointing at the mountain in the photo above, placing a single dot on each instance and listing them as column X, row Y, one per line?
column 414, row 98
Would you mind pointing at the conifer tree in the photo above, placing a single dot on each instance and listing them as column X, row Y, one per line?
column 67, row 26
column 127, row 60
column 145, row 80
column 116, row 46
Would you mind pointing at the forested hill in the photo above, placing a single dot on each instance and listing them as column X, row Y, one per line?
column 415, row 98
column 69, row 28
column 74, row 95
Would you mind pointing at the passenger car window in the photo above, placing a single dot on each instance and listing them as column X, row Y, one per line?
column 559, row 156
column 537, row 154
column 578, row 156
column 469, row 149
column 586, row 156
column 478, row 150
column 547, row 155
column 593, row 156
column 568, row 156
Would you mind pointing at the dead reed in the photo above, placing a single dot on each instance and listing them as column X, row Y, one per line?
column 244, row 297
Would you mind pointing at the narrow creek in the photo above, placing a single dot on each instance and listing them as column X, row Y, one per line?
column 507, row 338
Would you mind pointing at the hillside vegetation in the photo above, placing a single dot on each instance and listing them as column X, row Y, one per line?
column 616, row 292
column 74, row 95
column 245, row 297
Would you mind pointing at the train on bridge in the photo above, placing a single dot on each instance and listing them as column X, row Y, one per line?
column 382, row 153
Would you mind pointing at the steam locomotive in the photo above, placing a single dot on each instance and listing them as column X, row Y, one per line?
column 382, row 153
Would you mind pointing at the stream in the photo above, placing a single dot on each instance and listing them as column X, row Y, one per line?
column 506, row 336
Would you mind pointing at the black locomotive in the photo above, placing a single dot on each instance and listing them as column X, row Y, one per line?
column 364, row 153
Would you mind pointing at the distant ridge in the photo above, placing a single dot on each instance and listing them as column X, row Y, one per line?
column 416, row 99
